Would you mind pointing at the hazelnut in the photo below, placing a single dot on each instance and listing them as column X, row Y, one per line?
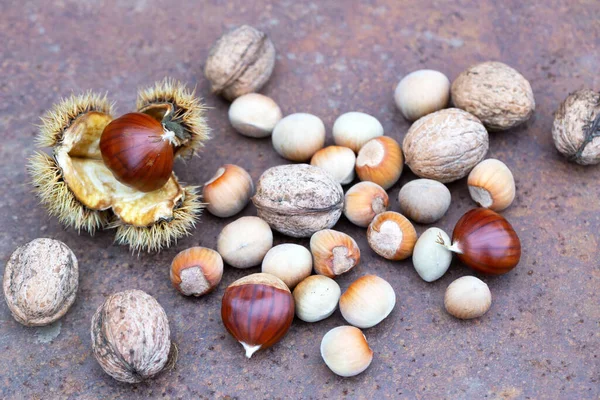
column 254, row 115
column 40, row 282
column 391, row 236
column 380, row 160
column 316, row 298
column 422, row 92
column 445, row 145
column 338, row 161
column 130, row 336
column 430, row 258
column 424, row 200
column 289, row 262
column 196, row 271
column 244, row 242
column 345, row 351
column 354, row 129
column 576, row 129
column 334, row 252
column 299, row 199
column 363, row 202
column 367, row 301
column 495, row 93
column 467, row 298
column 240, row 62
column 491, row 185
column 228, row 191
column 298, row 136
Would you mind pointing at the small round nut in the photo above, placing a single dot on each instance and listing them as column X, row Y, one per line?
column 130, row 336
column 576, row 129
column 431, row 258
column 364, row 201
column 298, row 136
column 491, row 185
column 338, row 161
column 254, row 115
column 367, row 301
column 445, row 145
column 244, row 242
column 334, row 252
column 424, row 200
column 380, row 160
column 289, row 262
column 40, row 282
column 196, row 271
column 228, row 191
column 316, row 298
column 345, row 351
column 495, row 93
column 467, row 297
column 354, row 129
column 422, row 92
column 298, row 199
column 240, row 62
column 391, row 236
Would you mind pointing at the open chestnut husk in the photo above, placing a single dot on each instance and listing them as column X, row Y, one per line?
column 485, row 242
column 257, row 310
column 76, row 186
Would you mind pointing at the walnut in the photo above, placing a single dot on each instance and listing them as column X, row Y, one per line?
column 445, row 145
column 40, row 282
column 240, row 62
column 495, row 93
column 576, row 129
column 299, row 199
column 130, row 336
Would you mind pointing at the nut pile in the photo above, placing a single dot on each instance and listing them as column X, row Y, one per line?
column 130, row 331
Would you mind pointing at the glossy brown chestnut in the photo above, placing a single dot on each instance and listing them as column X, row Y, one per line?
column 138, row 150
column 257, row 310
column 486, row 242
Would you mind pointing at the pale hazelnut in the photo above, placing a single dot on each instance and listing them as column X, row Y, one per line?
column 338, row 161
column 467, row 298
column 445, row 145
column 392, row 236
column 354, row 129
column 422, row 92
column 240, row 62
column 334, row 252
column 430, row 258
column 491, row 185
column 254, row 115
column 316, row 298
column 244, row 242
column 367, row 301
column 196, row 271
column 289, row 262
column 298, row 136
column 380, row 160
column 345, row 351
column 228, row 191
column 424, row 200
column 495, row 93
column 363, row 202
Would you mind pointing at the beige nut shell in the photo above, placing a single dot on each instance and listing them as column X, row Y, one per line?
column 445, row 145
column 380, row 160
column 467, row 297
column 40, row 282
column 491, row 185
column 392, row 236
column 367, row 301
column 345, row 351
column 334, row 252
column 363, row 202
column 495, row 93
column 196, row 271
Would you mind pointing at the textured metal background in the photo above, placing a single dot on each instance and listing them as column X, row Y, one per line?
column 539, row 340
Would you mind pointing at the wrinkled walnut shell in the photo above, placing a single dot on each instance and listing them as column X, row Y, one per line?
column 40, row 282
column 240, row 62
column 495, row 93
column 576, row 129
column 299, row 199
column 130, row 336
column 445, row 145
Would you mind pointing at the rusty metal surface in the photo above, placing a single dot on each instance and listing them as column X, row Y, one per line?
column 541, row 336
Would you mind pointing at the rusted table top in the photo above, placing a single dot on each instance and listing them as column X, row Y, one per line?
column 541, row 339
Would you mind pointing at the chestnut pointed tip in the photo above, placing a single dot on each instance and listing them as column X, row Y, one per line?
column 250, row 349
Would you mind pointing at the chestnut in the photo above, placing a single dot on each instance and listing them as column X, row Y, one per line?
column 138, row 150
column 486, row 242
column 257, row 310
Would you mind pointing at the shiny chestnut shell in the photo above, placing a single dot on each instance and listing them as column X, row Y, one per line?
column 257, row 310
column 138, row 151
column 486, row 242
